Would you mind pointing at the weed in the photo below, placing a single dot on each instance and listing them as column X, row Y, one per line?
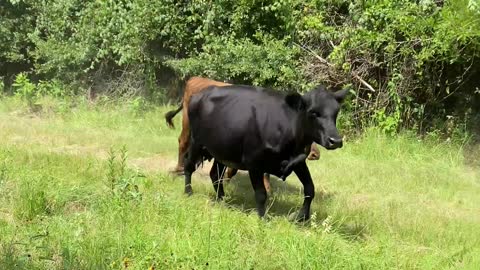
column 123, row 183
column 138, row 106
column 32, row 200
column 9, row 257
column 25, row 90
column 3, row 171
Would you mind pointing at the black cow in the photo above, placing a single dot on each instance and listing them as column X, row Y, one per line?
column 262, row 131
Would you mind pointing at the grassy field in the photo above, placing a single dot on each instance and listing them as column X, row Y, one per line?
column 87, row 187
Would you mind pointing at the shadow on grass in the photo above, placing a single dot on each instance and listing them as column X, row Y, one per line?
column 352, row 231
column 286, row 198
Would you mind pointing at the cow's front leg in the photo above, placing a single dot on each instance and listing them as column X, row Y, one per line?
column 216, row 174
column 288, row 165
column 256, row 177
column 301, row 170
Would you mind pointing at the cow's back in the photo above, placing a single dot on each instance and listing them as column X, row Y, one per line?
column 197, row 84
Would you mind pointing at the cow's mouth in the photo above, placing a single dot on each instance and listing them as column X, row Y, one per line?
column 332, row 147
column 329, row 143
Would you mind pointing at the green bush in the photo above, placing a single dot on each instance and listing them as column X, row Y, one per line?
column 413, row 61
column 31, row 92
column 419, row 58
column 25, row 90
column 16, row 24
column 270, row 63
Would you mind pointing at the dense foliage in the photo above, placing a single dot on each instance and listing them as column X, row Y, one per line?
column 411, row 63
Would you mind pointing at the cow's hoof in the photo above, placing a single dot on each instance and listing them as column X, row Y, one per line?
column 178, row 171
column 299, row 217
column 188, row 190
column 218, row 199
column 264, row 217
column 285, row 170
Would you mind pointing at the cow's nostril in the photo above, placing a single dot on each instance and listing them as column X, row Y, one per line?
column 333, row 141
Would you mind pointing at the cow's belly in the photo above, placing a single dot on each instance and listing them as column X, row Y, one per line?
column 239, row 166
column 265, row 164
column 226, row 150
column 263, row 160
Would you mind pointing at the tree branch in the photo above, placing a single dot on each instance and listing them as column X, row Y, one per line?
column 324, row 61
column 362, row 81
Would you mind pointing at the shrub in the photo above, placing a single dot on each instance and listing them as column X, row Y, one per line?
column 270, row 63
column 411, row 62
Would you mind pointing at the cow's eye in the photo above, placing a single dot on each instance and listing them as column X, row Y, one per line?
column 315, row 114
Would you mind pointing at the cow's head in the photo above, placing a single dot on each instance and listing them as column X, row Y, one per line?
column 321, row 108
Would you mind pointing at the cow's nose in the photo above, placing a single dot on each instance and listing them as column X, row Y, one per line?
column 335, row 142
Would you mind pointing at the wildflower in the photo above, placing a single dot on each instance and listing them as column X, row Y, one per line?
column 326, row 224
column 126, row 262
column 313, row 221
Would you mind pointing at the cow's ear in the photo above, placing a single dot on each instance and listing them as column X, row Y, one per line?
column 296, row 101
column 341, row 95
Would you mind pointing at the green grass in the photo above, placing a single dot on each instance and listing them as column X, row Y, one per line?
column 381, row 203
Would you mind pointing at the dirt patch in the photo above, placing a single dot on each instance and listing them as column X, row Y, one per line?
column 81, row 150
column 359, row 199
column 74, row 207
column 152, row 164
column 6, row 217
column 160, row 163
column 450, row 210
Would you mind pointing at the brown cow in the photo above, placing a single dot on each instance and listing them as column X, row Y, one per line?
column 195, row 85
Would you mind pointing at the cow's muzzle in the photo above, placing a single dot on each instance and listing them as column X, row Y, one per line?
column 334, row 143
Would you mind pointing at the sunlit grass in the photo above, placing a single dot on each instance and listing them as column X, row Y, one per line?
column 381, row 202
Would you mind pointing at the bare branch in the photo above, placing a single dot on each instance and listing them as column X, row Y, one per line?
column 362, row 81
column 331, row 44
column 324, row 61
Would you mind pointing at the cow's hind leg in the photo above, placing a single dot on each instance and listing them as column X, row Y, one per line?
column 266, row 183
column 193, row 155
column 301, row 170
column 256, row 177
column 183, row 143
column 231, row 172
column 216, row 174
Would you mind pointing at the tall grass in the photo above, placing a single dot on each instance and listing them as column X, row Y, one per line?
column 68, row 202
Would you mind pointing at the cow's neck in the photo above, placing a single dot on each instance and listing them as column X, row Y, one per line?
column 302, row 137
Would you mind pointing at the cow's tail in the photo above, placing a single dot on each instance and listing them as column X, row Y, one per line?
column 169, row 115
